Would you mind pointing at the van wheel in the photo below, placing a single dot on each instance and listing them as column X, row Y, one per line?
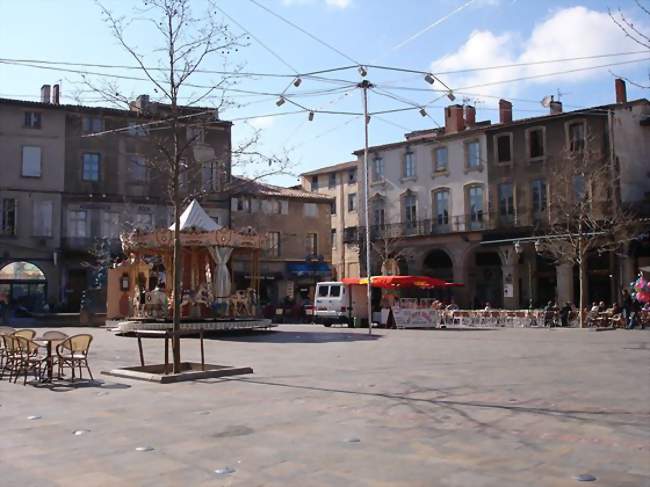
column 327, row 324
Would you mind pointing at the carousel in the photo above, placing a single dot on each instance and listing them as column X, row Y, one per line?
column 140, row 289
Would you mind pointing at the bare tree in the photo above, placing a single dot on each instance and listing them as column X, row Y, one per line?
column 633, row 31
column 186, row 41
column 586, row 215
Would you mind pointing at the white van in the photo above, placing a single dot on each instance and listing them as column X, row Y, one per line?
column 336, row 302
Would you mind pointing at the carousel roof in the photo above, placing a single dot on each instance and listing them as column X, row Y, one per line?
column 195, row 217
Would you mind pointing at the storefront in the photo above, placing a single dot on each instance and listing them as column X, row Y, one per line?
column 23, row 285
column 305, row 275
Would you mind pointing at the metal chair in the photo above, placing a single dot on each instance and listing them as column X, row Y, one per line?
column 4, row 330
column 73, row 352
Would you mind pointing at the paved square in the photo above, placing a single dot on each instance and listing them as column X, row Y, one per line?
column 332, row 407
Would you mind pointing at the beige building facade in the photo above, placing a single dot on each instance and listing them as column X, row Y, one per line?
column 340, row 182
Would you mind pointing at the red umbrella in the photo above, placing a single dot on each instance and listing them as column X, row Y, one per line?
column 393, row 282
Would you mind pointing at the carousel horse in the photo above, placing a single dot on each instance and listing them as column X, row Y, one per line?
column 242, row 302
column 203, row 295
column 137, row 302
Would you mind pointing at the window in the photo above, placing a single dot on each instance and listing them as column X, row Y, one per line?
column 377, row 169
column 322, row 291
column 504, row 153
column 333, row 238
column 506, row 200
column 241, row 204
column 8, row 221
column 536, row 143
column 475, row 200
column 143, row 221
column 577, row 137
column 335, row 291
column 410, row 210
column 440, row 159
column 408, row 170
column 538, row 191
column 110, row 224
column 314, row 183
column 284, row 207
column 352, row 202
column 32, row 120
column 195, row 134
column 137, row 169
column 136, row 129
column 473, row 155
column 333, row 207
column 311, row 243
column 207, row 177
column 579, row 187
column 331, row 181
column 77, row 223
column 352, row 176
column 90, row 124
column 42, row 212
column 273, row 244
column 378, row 215
column 31, row 163
column 441, row 206
column 90, row 169
column 311, row 209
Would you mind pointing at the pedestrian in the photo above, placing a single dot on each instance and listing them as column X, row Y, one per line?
column 634, row 315
column 565, row 313
column 627, row 306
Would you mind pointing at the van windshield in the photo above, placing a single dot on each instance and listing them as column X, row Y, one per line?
column 322, row 291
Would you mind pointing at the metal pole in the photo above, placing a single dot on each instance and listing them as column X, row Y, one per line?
column 365, row 85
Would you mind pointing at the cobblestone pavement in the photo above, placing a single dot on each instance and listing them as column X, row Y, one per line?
column 333, row 407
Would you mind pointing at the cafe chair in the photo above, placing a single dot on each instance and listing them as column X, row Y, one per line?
column 25, row 333
column 73, row 353
column 4, row 330
column 27, row 358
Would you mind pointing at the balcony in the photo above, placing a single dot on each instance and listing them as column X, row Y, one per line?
column 476, row 222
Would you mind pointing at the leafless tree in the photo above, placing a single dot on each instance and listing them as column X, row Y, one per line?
column 186, row 41
column 585, row 212
column 633, row 31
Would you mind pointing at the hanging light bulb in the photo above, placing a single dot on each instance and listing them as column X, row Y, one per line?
column 280, row 101
column 429, row 78
column 363, row 71
column 423, row 112
column 297, row 82
column 311, row 116
column 451, row 96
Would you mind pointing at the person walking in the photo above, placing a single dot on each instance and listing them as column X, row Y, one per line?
column 626, row 304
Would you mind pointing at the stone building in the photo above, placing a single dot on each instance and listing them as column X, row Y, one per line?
column 455, row 200
column 296, row 224
column 32, row 162
column 339, row 182
column 75, row 176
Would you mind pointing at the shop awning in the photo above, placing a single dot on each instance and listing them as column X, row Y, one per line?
column 393, row 282
column 302, row 269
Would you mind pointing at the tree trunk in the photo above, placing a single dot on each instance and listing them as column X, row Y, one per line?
column 581, row 298
column 178, row 269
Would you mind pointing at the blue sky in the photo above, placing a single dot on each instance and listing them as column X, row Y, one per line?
column 467, row 34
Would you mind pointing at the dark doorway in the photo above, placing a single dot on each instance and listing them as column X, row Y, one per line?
column 77, row 284
column 489, row 280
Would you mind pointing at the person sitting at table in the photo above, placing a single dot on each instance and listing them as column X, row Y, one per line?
column 602, row 307
column 488, row 307
column 452, row 306
column 594, row 307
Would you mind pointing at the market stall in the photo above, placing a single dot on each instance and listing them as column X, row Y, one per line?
column 400, row 310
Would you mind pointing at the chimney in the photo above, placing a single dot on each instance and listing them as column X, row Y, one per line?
column 556, row 106
column 56, row 94
column 45, row 94
column 454, row 121
column 141, row 103
column 470, row 116
column 621, row 91
column 505, row 111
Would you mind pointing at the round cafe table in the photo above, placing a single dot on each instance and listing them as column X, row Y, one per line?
column 49, row 359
